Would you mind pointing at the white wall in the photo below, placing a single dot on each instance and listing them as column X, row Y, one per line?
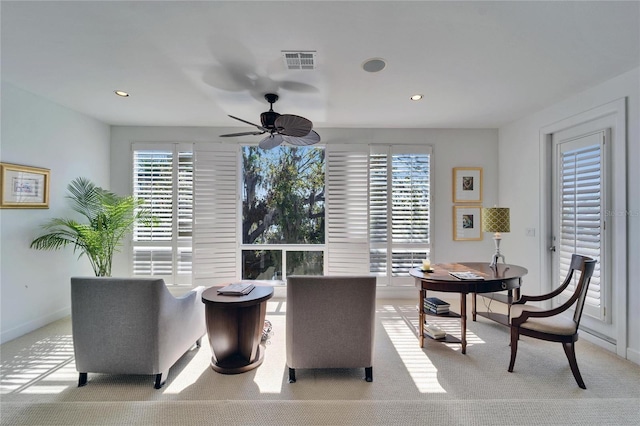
column 451, row 148
column 34, row 285
column 519, row 186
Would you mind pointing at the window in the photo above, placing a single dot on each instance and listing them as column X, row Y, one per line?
column 399, row 211
column 283, row 212
column 163, row 178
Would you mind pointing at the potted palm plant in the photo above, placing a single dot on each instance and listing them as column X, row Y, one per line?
column 109, row 218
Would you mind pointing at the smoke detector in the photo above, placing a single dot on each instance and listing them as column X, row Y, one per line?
column 299, row 60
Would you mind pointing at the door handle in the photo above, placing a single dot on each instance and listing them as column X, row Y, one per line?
column 552, row 248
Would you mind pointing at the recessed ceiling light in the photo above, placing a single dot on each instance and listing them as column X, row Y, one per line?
column 416, row 97
column 374, row 65
column 121, row 93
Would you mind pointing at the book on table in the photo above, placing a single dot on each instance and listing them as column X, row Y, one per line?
column 468, row 275
column 436, row 311
column 436, row 306
column 236, row 289
column 434, row 301
column 434, row 332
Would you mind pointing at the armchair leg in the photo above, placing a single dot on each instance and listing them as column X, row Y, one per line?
column 82, row 380
column 292, row 375
column 368, row 374
column 515, row 334
column 161, row 379
column 570, row 351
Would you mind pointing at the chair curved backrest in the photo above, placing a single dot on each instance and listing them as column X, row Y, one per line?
column 585, row 267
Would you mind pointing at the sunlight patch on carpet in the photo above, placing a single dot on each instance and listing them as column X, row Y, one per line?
column 422, row 371
column 29, row 371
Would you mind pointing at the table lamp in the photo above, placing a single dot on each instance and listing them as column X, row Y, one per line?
column 496, row 219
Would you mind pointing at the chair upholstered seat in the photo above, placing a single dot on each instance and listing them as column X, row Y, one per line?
column 555, row 325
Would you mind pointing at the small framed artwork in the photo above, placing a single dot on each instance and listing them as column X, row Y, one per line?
column 467, row 185
column 23, row 187
column 467, row 223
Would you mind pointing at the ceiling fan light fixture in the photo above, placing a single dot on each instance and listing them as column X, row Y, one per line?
column 374, row 65
column 416, row 97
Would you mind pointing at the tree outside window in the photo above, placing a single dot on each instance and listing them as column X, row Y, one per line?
column 283, row 211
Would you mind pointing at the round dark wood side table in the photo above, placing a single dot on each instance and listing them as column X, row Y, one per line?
column 234, row 327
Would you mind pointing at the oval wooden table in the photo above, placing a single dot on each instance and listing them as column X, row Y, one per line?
column 234, row 327
column 503, row 278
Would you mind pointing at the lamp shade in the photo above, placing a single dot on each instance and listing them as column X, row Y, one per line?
column 495, row 219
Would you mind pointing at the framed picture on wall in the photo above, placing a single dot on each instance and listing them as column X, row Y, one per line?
column 467, row 223
column 467, row 185
column 23, row 187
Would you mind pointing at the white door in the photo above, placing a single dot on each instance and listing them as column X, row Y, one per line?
column 579, row 206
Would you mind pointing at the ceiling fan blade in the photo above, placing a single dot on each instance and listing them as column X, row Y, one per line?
column 241, row 134
column 293, row 125
column 250, row 123
column 309, row 139
column 271, row 141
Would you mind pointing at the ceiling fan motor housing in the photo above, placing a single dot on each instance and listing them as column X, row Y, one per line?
column 268, row 119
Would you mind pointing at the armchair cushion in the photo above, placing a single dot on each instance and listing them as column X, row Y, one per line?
column 554, row 325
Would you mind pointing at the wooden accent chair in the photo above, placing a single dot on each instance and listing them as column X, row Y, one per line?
column 132, row 326
column 549, row 324
column 330, row 322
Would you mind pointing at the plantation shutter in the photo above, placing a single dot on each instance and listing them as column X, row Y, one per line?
column 347, row 182
column 399, row 202
column 379, row 187
column 216, row 222
column 581, row 219
column 162, row 178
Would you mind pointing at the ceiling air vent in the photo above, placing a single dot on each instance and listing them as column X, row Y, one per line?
column 304, row 60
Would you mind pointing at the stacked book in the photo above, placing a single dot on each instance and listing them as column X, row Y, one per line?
column 436, row 306
column 236, row 289
column 434, row 332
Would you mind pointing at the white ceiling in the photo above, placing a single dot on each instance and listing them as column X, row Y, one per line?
column 479, row 64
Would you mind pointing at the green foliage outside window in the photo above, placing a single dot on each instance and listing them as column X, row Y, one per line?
column 283, row 196
column 283, row 203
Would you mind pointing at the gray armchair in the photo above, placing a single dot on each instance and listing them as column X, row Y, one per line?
column 330, row 323
column 132, row 326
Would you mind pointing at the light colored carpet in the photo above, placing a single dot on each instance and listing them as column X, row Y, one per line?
column 436, row 384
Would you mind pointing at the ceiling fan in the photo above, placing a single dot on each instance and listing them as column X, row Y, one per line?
column 289, row 128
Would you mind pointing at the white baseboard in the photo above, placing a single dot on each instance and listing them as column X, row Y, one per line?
column 592, row 338
column 633, row 355
column 35, row 324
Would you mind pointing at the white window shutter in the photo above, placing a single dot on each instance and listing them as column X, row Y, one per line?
column 215, row 241
column 399, row 203
column 347, row 186
column 582, row 214
column 162, row 178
